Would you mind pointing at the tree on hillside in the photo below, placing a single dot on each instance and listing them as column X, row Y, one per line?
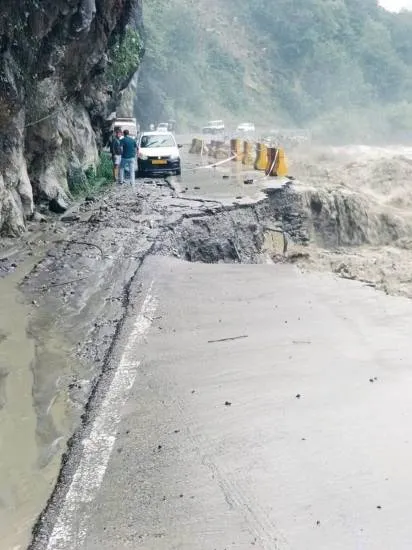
column 304, row 62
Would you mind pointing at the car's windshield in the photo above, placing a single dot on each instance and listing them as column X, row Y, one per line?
column 157, row 141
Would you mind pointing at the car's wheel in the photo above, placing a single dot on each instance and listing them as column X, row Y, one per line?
column 179, row 172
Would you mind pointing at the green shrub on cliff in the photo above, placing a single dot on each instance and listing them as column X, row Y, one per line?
column 93, row 179
column 124, row 57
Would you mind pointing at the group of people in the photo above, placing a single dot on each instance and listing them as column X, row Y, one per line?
column 123, row 149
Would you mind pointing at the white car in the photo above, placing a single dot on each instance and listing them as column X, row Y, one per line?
column 163, row 127
column 158, row 152
column 246, row 127
column 127, row 124
column 214, row 127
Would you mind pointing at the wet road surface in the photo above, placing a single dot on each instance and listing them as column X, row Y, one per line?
column 32, row 411
column 43, row 383
column 218, row 179
column 251, row 407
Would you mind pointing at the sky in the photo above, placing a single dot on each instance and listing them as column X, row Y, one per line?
column 396, row 5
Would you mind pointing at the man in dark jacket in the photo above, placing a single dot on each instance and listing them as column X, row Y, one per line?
column 116, row 151
column 128, row 162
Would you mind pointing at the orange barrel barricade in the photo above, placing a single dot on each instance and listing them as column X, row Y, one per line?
column 281, row 167
column 236, row 148
column 197, row 147
column 248, row 154
column 276, row 165
column 271, row 164
column 261, row 161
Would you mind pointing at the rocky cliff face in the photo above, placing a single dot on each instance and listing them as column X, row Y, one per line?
column 61, row 74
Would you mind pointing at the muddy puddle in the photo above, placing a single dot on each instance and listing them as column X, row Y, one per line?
column 35, row 413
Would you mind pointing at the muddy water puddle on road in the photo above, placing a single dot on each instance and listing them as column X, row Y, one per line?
column 34, row 413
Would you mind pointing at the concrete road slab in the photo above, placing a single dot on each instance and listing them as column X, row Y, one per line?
column 271, row 410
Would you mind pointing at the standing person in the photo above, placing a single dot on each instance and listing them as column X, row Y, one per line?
column 129, row 148
column 116, row 151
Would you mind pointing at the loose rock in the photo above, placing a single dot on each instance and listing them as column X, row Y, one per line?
column 58, row 205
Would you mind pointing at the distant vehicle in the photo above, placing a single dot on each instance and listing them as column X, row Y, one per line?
column 158, row 152
column 214, row 127
column 127, row 124
column 112, row 122
column 163, row 127
column 246, row 127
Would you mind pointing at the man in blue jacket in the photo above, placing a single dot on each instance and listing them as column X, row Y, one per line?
column 128, row 162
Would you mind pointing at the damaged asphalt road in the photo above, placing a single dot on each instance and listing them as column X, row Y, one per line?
column 68, row 286
column 180, row 380
column 236, row 411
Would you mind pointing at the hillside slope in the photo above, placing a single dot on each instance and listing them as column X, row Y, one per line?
column 335, row 65
column 199, row 63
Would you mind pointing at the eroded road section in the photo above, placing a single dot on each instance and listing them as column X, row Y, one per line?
column 267, row 409
column 64, row 349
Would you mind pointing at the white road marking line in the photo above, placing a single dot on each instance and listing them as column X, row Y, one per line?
column 71, row 526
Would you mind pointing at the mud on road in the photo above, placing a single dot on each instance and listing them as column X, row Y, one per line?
column 68, row 283
column 67, row 290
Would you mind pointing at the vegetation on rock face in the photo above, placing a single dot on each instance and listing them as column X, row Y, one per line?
column 340, row 67
column 124, row 57
column 92, row 180
column 63, row 69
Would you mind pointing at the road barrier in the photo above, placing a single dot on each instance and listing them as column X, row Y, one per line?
column 282, row 167
column 236, row 146
column 197, row 147
column 248, row 153
column 270, row 159
column 261, row 161
column 276, row 162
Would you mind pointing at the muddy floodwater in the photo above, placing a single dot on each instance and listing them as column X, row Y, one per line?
column 33, row 412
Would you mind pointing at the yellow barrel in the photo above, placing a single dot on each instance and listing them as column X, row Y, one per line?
column 271, row 161
column 236, row 148
column 197, row 146
column 261, row 157
column 281, row 164
column 276, row 165
column 248, row 156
